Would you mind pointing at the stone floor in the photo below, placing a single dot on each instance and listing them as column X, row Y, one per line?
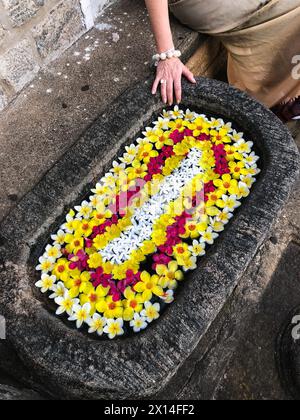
column 237, row 362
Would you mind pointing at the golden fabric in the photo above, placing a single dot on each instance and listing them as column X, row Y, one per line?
column 262, row 45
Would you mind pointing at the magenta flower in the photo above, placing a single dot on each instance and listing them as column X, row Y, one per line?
column 176, row 136
column 79, row 261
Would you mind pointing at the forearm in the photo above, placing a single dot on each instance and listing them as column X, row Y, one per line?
column 160, row 21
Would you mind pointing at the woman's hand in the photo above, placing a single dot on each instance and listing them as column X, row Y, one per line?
column 169, row 75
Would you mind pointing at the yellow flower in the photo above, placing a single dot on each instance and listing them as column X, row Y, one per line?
column 236, row 169
column 182, row 149
column 138, row 170
column 132, row 304
column 226, row 183
column 148, row 248
column 161, row 139
column 85, row 229
column 100, row 242
column 110, row 308
column 94, row 297
column 208, row 160
column 159, row 237
column 181, row 250
column 199, row 126
column 146, row 152
column 217, row 225
column 171, row 164
column 148, row 286
column 119, row 272
column 191, row 229
column 77, row 283
column 230, row 152
column 212, row 211
column 169, row 275
column 61, row 270
column 178, row 124
column 74, row 243
column 210, row 175
column 214, row 197
column 220, row 136
column 95, row 260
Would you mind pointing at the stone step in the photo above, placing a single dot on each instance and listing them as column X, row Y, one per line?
column 66, row 361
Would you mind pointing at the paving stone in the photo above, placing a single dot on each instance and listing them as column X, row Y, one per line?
column 81, row 367
column 62, row 26
column 21, row 11
column 18, row 65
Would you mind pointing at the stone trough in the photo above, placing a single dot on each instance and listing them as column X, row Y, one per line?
column 67, row 363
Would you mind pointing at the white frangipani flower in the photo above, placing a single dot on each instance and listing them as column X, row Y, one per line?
column 162, row 124
column 66, row 304
column 197, row 249
column 53, row 252
column 114, row 328
column 97, row 324
column 45, row 264
column 138, row 323
column 81, row 314
column 46, row 283
column 58, row 290
column 231, row 203
column 84, row 211
column 209, row 236
column 59, row 238
column 151, row 311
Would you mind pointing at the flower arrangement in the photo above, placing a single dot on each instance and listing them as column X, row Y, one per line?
column 119, row 257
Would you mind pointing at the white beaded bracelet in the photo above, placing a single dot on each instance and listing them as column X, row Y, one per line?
column 166, row 55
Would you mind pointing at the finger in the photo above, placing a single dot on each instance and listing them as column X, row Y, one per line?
column 155, row 86
column 170, row 91
column 189, row 75
column 178, row 90
column 164, row 92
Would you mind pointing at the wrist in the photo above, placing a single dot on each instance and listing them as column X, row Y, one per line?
column 164, row 48
column 166, row 55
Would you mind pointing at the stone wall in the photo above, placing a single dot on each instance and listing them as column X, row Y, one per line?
column 33, row 33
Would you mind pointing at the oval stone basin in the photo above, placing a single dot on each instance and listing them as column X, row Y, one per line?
column 120, row 256
column 71, row 364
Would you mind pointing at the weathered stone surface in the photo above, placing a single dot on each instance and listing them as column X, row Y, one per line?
column 3, row 100
column 18, row 66
column 61, row 27
column 8, row 393
column 21, row 11
column 2, row 34
column 74, row 365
